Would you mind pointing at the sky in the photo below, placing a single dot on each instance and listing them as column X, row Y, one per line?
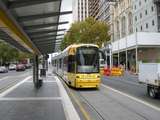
column 66, row 6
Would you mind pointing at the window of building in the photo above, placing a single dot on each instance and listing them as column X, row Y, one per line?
column 153, row 23
column 130, row 23
column 123, row 22
column 140, row 15
column 147, row 25
column 135, row 7
column 145, row 0
column 139, row 3
column 135, row 18
column 146, row 12
column 152, row 8
column 141, row 28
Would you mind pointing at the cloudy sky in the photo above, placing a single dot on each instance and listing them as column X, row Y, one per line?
column 66, row 6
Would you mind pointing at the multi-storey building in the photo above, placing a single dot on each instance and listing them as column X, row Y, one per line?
column 104, row 11
column 135, row 38
column 122, row 19
column 145, row 15
column 80, row 10
column 93, row 7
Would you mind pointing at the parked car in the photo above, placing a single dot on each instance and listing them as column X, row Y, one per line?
column 12, row 67
column 20, row 67
column 3, row 69
column 28, row 65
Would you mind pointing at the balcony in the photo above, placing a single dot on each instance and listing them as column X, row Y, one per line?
column 141, row 39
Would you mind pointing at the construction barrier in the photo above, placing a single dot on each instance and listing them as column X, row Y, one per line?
column 102, row 71
column 107, row 71
column 117, row 71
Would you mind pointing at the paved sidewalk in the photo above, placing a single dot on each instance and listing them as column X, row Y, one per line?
column 50, row 102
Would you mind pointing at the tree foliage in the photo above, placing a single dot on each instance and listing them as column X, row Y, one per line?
column 88, row 31
column 9, row 54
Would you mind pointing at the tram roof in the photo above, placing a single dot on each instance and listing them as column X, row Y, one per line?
column 80, row 45
column 31, row 25
column 65, row 51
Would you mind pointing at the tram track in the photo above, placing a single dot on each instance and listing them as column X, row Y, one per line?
column 101, row 117
column 74, row 97
column 104, row 93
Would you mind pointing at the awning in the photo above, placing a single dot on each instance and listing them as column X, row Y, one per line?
column 31, row 25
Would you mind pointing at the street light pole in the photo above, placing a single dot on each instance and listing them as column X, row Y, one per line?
column 110, row 55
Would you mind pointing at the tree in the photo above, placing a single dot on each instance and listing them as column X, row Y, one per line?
column 88, row 31
column 10, row 54
column 7, row 53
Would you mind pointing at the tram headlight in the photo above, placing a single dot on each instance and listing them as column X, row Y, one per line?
column 98, row 76
column 77, row 77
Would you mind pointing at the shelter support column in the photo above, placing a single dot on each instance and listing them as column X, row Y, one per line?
column 43, row 69
column 36, row 81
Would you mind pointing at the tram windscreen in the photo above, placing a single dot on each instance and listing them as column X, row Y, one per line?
column 87, row 60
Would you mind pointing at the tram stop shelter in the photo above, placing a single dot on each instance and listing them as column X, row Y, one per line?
column 32, row 26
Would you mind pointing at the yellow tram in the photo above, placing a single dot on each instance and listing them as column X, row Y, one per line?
column 78, row 64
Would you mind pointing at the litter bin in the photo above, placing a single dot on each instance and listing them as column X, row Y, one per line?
column 42, row 72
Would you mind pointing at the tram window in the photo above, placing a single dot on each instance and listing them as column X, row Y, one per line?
column 65, row 62
column 102, row 59
column 71, row 63
column 60, row 63
column 87, row 60
column 55, row 63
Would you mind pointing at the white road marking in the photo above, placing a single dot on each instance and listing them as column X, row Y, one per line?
column 14, row 76
column 4, row 78
column 14, row 87
column 30, row 98
column 47, row 81
column 131, row 97
column 69, row 109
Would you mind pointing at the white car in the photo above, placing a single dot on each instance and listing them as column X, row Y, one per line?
column 3, row 69
column 12, row 67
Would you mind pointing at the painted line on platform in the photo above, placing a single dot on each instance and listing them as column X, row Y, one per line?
column 4, row 78
column 69, row 109
column 30, row 98
column 131, row 97
column 14, row 87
